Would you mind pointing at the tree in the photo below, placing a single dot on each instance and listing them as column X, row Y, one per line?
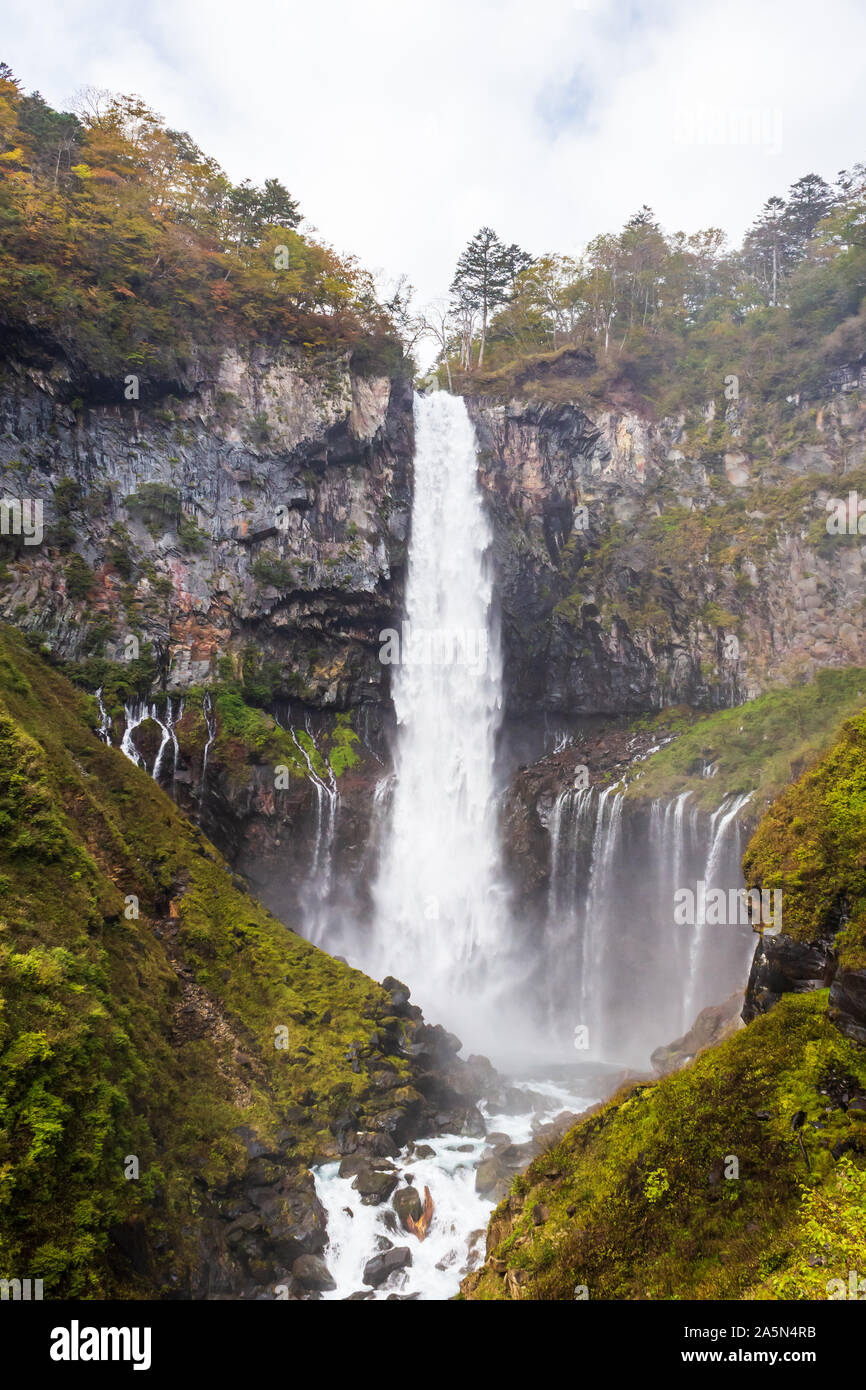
column 484, row 278
column 251, row 209
column 810, row 200
column 765, row 250
column 440, row 323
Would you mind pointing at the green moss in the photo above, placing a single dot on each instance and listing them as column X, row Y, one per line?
column 757, row 747
column 811, row 845
column 652, row 1214
column 96, row 1059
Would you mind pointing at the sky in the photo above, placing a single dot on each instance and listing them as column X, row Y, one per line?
column 402, row 127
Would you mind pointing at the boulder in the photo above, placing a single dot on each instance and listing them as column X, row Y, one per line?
column 381, row 1267
column 313, row 1273
column 488, row 1174
column 712, row 1026
column 407, row 1203
column 375, row 1184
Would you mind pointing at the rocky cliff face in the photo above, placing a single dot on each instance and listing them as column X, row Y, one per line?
column 266, row 508
column 643, row 563
column 257, row 524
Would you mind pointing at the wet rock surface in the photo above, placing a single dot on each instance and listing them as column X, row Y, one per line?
column 711, row 1026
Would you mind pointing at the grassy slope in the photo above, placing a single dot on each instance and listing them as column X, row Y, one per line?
column 653, row 1217
column 636, row 1204
column 96, row 1059
column 812, row 845
column 757, row 747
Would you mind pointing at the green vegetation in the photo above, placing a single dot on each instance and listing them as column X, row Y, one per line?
column 158, row 506
column 97, row 1060
column 636, row 1204
column 757, row 747
column 811, row 845
column 124, row 248
column 670, row 319
column 79, row 578
column 269, row 568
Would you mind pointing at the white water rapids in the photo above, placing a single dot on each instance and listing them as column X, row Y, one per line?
column 455, row 1242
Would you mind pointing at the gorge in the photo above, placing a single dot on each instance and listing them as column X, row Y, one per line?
column 431, row 820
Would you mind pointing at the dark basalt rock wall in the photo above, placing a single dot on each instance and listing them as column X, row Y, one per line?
column 605, row 611
column 785, row 966
column 265, row 509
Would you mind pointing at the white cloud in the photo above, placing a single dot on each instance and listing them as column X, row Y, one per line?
column 402, row 127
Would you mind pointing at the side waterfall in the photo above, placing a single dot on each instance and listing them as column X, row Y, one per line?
column 319, row 882
column 614, row 961
column 138, row 713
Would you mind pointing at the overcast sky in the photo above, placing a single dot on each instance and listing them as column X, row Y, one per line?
column 402, row 127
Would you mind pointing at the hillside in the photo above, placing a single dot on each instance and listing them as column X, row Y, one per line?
column 143, row 991
column 640, row 1199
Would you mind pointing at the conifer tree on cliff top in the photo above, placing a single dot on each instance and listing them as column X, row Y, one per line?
column 485, row 276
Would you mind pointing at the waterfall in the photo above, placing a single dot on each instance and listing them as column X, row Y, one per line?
column 594, row 982
column 138, row 713
column 164, row 742
column 174, row 720
column 104, row 730
column 316, row 892
column 133, row 715
column 613, row 959
column 721, row 822
column 568, row 828
column 210, row 723
column 441, row 916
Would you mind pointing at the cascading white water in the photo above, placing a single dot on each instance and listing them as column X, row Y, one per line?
column 138, row 713
column 210, row 724
column 613, row 960
column 593, row 974
column 441, row 910
column 319, row 882
column 104, row 730
column 722, row 822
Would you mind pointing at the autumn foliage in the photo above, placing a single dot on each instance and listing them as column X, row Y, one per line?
column 123, row 247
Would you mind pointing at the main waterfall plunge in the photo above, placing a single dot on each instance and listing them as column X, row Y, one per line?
column 604, row 954
column 592, row 969
column 442, row 920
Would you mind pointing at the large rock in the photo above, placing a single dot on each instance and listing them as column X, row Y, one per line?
column 847, row 1004
column 784, row 966
column 381, row 1267
column 313, row 1273
column 489, row 1175
column 407, row 1203
column 711, row 1026
column 375, row 1184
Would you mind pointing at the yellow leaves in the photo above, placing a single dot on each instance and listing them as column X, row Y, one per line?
column 12, row 156
column 81, row 171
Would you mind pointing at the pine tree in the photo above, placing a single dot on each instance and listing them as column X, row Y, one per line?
column 485, row 276
column 809, row 200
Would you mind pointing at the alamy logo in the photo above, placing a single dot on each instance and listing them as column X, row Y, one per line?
column 421, row 646
column 76, row 1343
column 21, row 516
column 847, row 516
column 24, row 1289
column 736, row 907
column 856, row 1287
